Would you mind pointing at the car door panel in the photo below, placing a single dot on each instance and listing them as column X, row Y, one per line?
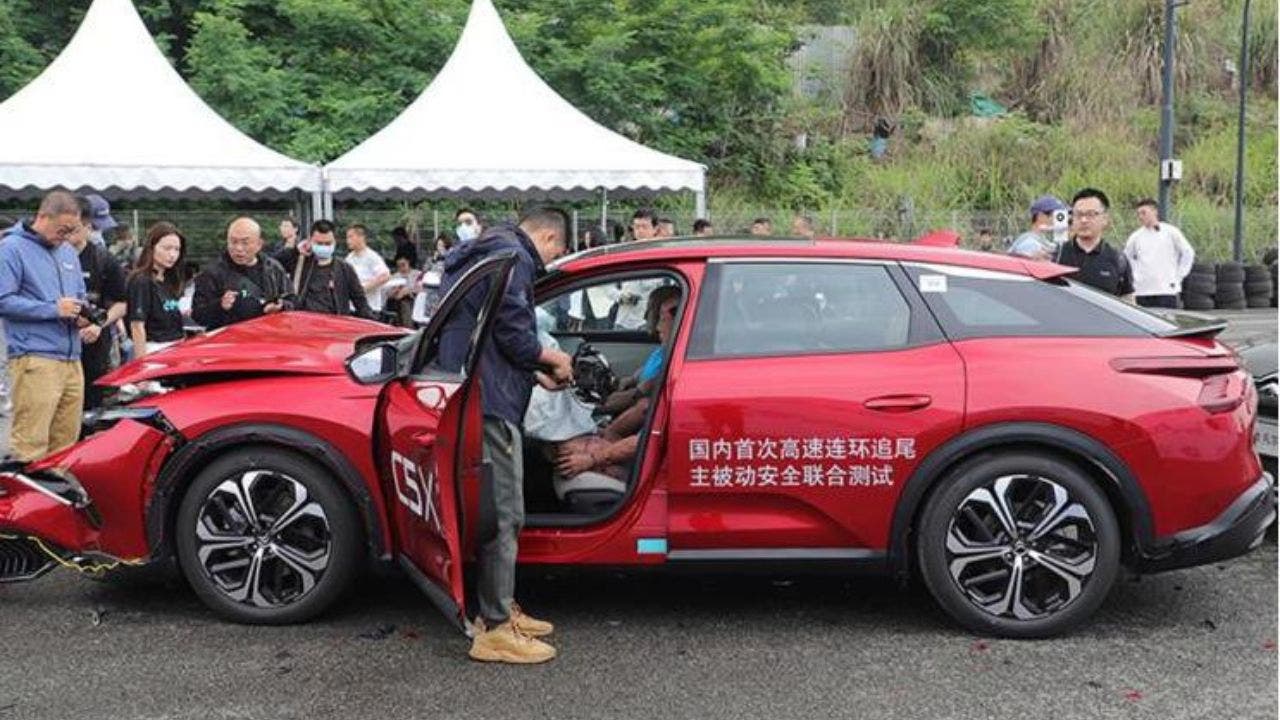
column 429, row 436
column 780, row 440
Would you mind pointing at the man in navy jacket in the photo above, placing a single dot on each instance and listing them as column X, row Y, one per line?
column 511, row 361
column 41, row 292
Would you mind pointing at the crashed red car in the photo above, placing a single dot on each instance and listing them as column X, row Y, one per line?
column 983, row 423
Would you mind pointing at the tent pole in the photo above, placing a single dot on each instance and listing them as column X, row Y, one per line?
column 435, row 223
column 700, row 203
column 575, row 229
column 317, row 206
column 604, row 211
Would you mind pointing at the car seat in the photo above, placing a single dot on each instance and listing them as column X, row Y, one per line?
column 588, row 493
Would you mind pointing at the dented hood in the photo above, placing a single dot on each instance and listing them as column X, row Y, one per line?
column 290, row 343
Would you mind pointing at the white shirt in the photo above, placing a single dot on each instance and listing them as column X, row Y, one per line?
column 1161, row 258
column 369, row 265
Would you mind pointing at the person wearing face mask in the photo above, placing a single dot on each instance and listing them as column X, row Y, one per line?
column 466, row 225
column 322, row 284
column 100, row 211
column 155, row 289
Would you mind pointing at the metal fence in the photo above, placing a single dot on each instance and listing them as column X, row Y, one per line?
column 1210, row 232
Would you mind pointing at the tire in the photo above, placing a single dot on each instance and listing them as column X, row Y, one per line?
column 1258, row 301
column 1200, row 284
column 1258, row 288
column 1256, row 273
column 1229, row 293
column 1232, row 271
column 1239, row 304
column 303, row 568
column 1197, row 303
column 1034, row 485
column 1202, row 268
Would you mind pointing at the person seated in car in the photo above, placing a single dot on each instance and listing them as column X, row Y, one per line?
column 640, row 384
column 611, row 450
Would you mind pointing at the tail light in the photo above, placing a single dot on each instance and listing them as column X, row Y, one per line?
column 1223, row 386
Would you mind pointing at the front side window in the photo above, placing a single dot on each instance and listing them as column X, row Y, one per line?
column 778, row 308
column 610, row 306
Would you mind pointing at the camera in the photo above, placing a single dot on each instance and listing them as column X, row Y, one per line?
column 1061, row 224
column 93, row 314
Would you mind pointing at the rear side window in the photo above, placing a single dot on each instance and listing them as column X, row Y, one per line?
column 756, row 309
column 978, row 303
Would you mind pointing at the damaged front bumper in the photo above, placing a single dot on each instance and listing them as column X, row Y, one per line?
column 83, row 507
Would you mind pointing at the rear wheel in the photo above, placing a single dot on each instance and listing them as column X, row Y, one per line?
column 1018, row 545
column 265, row 536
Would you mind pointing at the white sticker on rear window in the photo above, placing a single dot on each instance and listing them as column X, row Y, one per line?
column 933, row 283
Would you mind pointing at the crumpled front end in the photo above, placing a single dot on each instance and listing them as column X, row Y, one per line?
column 83, row 507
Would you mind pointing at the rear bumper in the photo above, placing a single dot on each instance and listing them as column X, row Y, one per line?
column 1239, row 529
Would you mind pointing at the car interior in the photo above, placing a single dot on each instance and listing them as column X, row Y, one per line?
column 611, row 328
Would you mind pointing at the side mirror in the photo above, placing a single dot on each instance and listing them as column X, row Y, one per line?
column 374, row 365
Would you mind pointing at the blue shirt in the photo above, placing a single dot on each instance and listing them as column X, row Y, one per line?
column 652, row 365
column 33, row 276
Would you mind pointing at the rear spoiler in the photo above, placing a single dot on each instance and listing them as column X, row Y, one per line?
column 1191, row 325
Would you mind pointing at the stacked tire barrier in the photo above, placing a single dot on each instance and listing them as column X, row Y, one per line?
column 1229, row 293
column 1199, row 287
column 1229, row 286
column 1257, row 286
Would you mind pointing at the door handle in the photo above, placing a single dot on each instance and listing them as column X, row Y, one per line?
column 898, row 403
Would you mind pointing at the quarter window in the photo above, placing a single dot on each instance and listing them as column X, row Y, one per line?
column 978, row 303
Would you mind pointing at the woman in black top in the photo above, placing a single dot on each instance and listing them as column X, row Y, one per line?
column 155, row 286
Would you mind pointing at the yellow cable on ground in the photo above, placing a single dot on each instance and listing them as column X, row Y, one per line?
column 95, row 568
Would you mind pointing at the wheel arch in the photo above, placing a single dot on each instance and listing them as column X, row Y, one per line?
column 180, row 469
column 1112, row 475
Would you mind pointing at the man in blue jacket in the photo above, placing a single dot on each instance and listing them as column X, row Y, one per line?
column 511, row 361
column 41, row 292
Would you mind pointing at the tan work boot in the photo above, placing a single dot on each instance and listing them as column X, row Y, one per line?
column 529, row 625
column 506, row 643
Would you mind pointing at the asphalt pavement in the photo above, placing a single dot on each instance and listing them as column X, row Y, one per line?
column 1198, row 643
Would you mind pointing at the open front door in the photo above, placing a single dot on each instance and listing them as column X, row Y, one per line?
column 429, row 437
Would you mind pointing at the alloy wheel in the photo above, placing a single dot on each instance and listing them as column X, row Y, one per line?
column 262, row 539
column 1021, row 547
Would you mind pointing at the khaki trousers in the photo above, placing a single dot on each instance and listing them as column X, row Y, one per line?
column 47, row 399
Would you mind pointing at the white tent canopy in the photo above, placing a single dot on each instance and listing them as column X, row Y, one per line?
column 487, row 126
column 59, row 130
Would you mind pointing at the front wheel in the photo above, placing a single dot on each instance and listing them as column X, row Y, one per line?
column 266, row 537
column 1018, row 545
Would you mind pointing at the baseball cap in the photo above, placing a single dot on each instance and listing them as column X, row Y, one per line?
column 102, row 219
column 1046, row 204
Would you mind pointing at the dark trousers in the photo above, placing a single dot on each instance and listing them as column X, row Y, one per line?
column 95, row 359
column 1159, row 301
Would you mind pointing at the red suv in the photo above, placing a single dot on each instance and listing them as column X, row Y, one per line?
column 1007, row 435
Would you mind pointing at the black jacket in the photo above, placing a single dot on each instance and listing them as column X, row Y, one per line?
column 263, row 283
column 511, row 354
column 348, row 293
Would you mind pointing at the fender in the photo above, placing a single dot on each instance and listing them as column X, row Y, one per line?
column 929, row 472
column 178, row 468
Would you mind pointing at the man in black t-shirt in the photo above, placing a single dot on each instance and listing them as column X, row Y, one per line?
column 322, row 284
column 243, row 283
column 104, row 289
column 1100, row 265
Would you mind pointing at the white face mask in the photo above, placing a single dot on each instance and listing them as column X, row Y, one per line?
column 323, row 252
column 466, row 232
